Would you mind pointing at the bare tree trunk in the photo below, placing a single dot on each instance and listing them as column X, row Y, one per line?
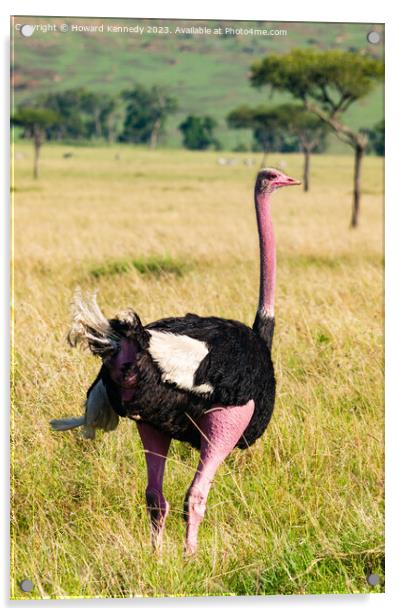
column 359, row 152
column 155, row 133
column 263, row 163
column 37, row 142
column 306, row 168
column 98, row 125
column 110, row 129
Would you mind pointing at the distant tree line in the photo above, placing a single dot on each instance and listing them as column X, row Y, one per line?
column 137, row 116
column 323, row 85
column 375, row 137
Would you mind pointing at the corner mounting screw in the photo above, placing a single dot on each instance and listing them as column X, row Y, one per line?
column 373, row 579
column 374, row 37
column 26, row 585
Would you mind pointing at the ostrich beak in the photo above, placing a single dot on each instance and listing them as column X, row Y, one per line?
column 285, row 180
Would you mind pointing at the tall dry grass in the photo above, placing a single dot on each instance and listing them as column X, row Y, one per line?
column 302, row 510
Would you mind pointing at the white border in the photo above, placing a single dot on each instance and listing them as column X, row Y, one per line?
column 291, row 10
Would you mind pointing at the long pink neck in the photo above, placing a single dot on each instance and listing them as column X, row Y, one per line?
column 267, row 255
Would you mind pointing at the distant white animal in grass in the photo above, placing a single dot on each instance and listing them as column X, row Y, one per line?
column 226, row 161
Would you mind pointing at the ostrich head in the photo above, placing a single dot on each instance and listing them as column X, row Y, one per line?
column 268, row 180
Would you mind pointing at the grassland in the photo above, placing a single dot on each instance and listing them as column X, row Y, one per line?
column 302, row 510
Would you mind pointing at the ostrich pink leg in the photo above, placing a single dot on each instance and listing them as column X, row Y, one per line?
column 156, row 446
column 221, row 429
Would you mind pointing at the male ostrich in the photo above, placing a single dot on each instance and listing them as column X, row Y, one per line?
column 204, row 380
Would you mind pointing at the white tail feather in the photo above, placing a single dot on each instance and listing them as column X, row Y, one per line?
column 99, row 414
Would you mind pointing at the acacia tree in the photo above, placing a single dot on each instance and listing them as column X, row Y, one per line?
column 35, row 122
column 283, row 128
column 328, row 83
column 267, row 127
column 309, row 129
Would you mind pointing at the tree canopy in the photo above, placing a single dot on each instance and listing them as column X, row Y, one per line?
column 309, row 129
column 85, row 113
column 327, row 82
column 146, row 113
column 35, row 118
column 283, row 128
column 198, row 132
column 265, row 123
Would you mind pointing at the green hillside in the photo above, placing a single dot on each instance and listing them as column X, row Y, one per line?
column 207, row 73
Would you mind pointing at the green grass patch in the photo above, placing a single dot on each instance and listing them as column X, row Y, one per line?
column 148, row 266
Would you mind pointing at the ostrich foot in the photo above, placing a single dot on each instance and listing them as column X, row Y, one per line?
column 194, row 512
column 158, row 509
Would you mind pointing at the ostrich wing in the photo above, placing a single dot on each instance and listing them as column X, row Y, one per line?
column 216, row 357
column 178, row 358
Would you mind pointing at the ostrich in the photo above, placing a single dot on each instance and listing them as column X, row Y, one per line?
column 207, row 381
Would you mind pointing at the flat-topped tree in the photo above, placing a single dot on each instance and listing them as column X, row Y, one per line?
column 309, row 130
column 265, row 122
column 35, row 122
column 282, row 128
column 328, row 83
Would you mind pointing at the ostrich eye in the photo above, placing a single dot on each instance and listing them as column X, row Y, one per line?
column 271, row 176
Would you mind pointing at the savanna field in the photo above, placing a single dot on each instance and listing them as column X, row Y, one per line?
column 170, row 232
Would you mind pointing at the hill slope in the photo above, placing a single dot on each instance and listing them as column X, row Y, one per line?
column 207, row 73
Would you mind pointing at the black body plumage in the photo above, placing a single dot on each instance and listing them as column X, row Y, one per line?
column 238, row 367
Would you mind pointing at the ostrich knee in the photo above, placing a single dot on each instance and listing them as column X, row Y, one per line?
column 195, row 504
